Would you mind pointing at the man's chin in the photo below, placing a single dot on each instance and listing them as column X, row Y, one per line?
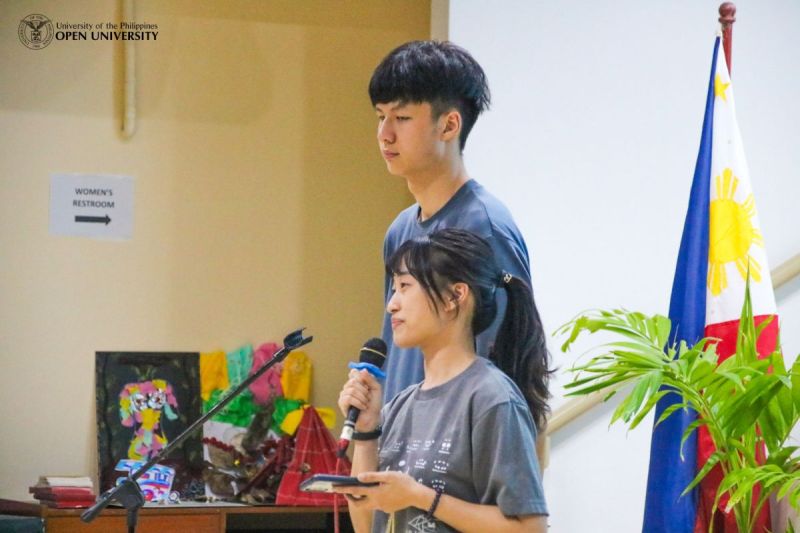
column 392, row 169
column 395, row 170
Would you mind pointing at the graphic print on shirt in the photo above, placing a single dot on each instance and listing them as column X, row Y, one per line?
column 421, row 524
column 440, row 467
column 427, row 461
column 445, row 447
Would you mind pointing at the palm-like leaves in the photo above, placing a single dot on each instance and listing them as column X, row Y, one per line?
column 746, row 403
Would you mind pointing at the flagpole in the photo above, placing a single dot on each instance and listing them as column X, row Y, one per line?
column 727, row 16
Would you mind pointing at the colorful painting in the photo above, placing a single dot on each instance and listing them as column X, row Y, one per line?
column 144, row 400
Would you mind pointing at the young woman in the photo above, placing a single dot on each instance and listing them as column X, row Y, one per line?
column 457, row 451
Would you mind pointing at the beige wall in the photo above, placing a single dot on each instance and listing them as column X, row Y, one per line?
column 260, row 200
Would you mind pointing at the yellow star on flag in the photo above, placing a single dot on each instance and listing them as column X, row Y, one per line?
column 719, row 88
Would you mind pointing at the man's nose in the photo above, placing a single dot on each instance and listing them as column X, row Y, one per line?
column 385, row 132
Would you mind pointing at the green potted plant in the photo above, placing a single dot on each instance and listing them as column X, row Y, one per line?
column 744, row 402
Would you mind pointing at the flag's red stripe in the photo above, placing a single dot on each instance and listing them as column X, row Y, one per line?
column 727, row 332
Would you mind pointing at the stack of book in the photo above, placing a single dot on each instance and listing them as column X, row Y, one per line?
column 64, row 492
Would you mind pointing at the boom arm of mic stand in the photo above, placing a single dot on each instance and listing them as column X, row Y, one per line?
column 126, row 494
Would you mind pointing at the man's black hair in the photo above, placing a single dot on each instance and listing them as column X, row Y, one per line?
column 439, row 73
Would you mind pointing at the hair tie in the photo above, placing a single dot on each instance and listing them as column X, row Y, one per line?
column 505, row 278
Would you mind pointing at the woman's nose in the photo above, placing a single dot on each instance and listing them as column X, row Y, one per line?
column 392, row 305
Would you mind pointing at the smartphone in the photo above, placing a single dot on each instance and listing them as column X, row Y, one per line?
column 326, row 482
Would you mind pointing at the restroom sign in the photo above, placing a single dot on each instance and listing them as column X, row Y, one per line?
column 91, row 205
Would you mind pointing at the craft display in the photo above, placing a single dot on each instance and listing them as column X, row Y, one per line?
column 244, row 451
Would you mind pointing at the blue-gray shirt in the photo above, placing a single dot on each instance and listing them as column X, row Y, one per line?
column 471, row 208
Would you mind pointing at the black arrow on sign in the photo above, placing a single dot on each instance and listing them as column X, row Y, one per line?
column 104, row 219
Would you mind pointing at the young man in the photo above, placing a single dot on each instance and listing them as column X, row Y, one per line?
column 427, row 96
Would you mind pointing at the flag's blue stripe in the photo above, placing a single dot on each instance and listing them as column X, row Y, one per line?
column 665, row 510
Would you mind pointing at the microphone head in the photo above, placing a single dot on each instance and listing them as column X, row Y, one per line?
column 373, row 352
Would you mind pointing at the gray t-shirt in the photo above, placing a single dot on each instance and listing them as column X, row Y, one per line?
column 471, row 208
column 473, row 437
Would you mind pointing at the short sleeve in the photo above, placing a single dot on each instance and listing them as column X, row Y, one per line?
column 512, row 256
column 505, row 466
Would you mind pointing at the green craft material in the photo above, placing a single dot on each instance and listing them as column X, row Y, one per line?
column 239, row 363
column 283, row 406
column 239, row 412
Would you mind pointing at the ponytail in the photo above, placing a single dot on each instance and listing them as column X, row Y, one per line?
column 520, row 349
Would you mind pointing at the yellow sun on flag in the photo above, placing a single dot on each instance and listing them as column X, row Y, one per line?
column 720, row 87
column 731, row 234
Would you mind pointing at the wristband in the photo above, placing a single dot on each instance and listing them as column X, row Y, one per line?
column 435, row 504
column 368, row 435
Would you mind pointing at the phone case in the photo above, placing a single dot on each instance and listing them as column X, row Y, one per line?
column 326, row 482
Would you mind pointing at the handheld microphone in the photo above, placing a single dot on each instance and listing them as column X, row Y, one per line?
column 370, row 358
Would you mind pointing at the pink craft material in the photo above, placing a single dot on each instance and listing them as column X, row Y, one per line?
column 268, row 386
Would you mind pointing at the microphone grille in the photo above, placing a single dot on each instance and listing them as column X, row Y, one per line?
column 373, row 352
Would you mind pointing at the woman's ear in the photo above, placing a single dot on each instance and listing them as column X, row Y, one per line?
column 458, row 296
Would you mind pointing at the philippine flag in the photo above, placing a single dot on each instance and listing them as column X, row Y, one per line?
column 721, row 243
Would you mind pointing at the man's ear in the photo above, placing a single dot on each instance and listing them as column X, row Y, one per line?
column 452, row 125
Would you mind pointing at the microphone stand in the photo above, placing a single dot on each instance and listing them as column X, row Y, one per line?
column 129, row 494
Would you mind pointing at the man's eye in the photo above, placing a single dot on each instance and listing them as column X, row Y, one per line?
column 403, row 118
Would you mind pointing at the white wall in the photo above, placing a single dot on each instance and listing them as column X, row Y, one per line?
column 591, row 141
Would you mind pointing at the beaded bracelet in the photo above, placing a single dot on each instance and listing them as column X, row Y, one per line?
column 435, row 504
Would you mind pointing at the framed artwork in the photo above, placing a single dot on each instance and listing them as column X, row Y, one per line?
column 144, row 400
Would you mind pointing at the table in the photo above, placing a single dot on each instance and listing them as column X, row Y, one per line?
column 206, row 518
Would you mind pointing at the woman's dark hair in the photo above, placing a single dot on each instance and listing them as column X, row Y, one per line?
column 449, row 256
column 439, row 73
